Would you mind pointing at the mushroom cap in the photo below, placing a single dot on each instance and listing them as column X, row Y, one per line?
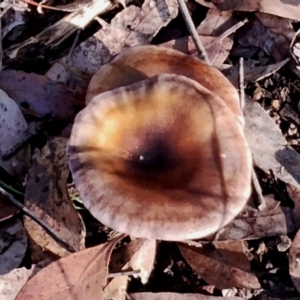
column 141, row 62
column 162, row 158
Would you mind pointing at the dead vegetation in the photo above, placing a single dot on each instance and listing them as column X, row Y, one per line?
column 171, row 199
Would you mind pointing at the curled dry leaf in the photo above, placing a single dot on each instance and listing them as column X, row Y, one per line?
column 294, row 261
column 46, row 196
column 39, row 96
column 174, row 296
column 222, row 264
column 138, row 255
column 13, row 127
column 132, row 26
column 81, row 275
column 143, row 259
column 13, row 245
column 286, row 9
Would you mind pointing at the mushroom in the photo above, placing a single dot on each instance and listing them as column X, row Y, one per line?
column 164, row 157
column 141, row 62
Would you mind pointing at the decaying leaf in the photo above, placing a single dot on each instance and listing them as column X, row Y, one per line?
column 294, row 261
column 13, row 127
column 13, row 244
column 216, row 23
column 39, row 96
column 287, row 9
column 270, row 33
column 131, row 27
column 143, row 259
column 268, row 146
column 222, row 264
column 138, row 255
column 12, row 282
column 81, row 275
column 46, row 196
column 174, row 296
column 253, row 71
column 7, row 209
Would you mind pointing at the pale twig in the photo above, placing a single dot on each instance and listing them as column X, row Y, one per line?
column 124, row 273
column 256, row 185
column 192, row 30
column 47, row 229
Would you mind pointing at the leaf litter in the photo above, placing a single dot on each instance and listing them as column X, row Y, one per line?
column 37, row 104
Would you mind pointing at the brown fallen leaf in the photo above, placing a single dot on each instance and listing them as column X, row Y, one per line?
column 46, row 196
column 81, row 275
column 174, row 296
column 216, row 23
column 131, row 27
column 294, row 261
column 138, row 255
column 286, row 9
column 222, row 264
column 13, row 245
column 39, row 96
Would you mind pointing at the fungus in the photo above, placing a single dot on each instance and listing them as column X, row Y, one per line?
column 141, row 62
column 161, row 158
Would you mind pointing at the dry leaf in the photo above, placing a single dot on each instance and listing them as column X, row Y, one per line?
column 13, row 127
column 7, row 209
column 252, row 223
column 253, row 71
column 216, row 22
column 268, row 146
column 46, row 196
column 270, row 33
column 294, row 261
column 222, row 264
column 131, row 27
column 138, row 255
column 116, row 289
column 80, row 276
column 39, row 96
column 143, row 259
column 12, row 282
column 13, row 245
column 287, row 9
column 174, row 296
column 18, row 165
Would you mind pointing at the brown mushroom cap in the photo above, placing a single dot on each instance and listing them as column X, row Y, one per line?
column 141, row 62
column 163, row 158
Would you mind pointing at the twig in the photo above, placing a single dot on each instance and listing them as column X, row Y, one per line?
column 241, row 83
column 192, row 30
column 256, row 185
column 47, row 229
column 124, row 273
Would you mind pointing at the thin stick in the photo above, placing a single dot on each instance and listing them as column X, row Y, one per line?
column 47, row 229
column 124, row 273
column 241, row 83
column 192, row 30
column 256, row 185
